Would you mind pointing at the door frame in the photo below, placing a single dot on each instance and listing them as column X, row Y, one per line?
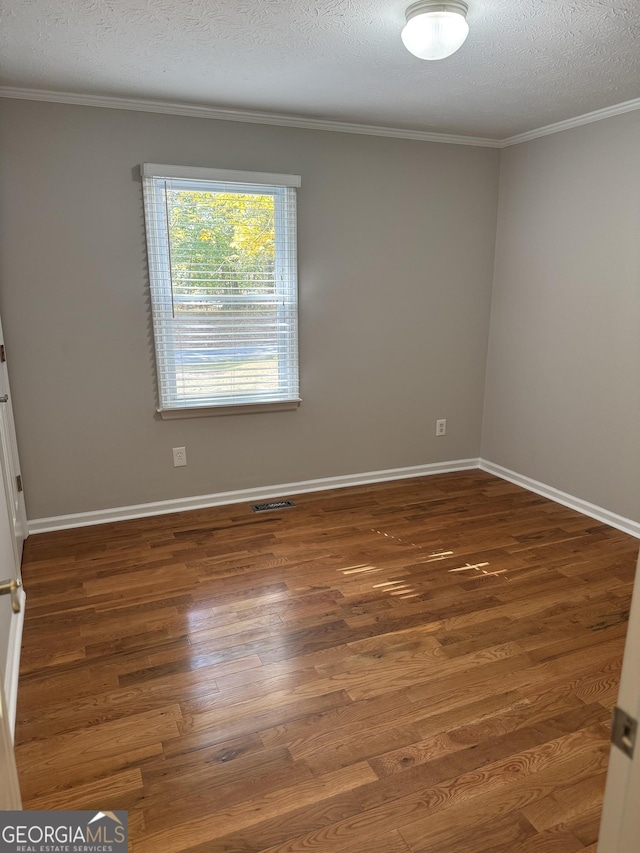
column 10, row 463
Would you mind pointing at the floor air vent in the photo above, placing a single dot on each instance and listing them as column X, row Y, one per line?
column 266, row 507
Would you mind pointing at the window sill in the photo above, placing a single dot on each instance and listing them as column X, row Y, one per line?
column 237, row 409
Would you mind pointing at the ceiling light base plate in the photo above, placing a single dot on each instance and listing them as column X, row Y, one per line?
column 425, row 6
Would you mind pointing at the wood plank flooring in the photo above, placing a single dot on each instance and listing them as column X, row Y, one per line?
column 423, row 666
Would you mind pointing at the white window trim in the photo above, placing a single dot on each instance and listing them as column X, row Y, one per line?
column 237, row 409
column 194, row 173
column 158, row 266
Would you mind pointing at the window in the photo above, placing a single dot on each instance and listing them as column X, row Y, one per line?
column 222, row 267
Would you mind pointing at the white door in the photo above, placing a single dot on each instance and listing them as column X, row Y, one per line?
column 9, row 787
column 13, row 530
column 12, row 604
column 620, row 826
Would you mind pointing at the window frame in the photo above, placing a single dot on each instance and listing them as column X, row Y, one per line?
column 170, row 405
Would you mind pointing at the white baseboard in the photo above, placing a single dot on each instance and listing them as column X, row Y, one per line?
column 105, row 516
column 627, row 525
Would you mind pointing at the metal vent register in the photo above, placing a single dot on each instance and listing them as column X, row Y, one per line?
column 267, row 507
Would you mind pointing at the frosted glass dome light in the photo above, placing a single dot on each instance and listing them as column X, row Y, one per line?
column 435, row 30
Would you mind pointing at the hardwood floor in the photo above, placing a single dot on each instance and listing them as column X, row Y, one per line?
column 424, row 666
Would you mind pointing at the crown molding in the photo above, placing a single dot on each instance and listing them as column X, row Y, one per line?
column 253, row 117
column 577, row 121
column 283, row 120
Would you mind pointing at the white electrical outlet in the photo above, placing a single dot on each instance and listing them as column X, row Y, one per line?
column 179, row 457
column 441, row 426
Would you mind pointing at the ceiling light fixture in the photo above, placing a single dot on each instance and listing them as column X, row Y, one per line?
column 435, row 30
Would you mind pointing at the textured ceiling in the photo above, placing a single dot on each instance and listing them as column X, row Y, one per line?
column 526, row 63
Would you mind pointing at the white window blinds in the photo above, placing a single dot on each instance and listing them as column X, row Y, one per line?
column 223, row 274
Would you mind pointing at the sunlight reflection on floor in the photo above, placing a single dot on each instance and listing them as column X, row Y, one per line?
column 400, row 588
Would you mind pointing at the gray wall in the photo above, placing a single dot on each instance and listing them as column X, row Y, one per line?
column 563, row 380
column 396, row 246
